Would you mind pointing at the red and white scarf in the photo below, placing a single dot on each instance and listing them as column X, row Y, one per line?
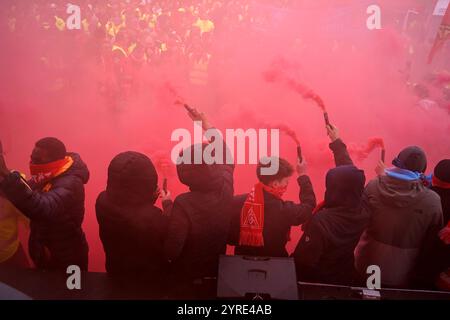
column 252, row 215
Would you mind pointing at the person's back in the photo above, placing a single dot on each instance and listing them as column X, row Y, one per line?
column 404, row 216
column 436, row 262
column 131, row 227
column 278, row 215
column 199, row 222
column 325, row 251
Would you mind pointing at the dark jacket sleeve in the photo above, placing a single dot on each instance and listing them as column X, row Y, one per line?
column 41, row 206
column 308, row 252
column 300, row 213
column 366, row 207
column 226, row 169
column 340, row 153
column 167, row 207
column 177, row 233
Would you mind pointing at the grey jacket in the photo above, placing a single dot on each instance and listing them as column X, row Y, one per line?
column 404, row 217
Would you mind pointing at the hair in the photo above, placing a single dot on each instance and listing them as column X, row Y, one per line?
column 55, row 148
column 285, row 170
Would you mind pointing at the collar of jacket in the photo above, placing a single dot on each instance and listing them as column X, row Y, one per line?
column 402, row 174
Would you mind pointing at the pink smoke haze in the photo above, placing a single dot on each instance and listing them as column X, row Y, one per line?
column 53, row 84
column 372, row 144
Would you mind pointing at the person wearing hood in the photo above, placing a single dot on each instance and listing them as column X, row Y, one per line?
column 405, row 217
column 262, row 219
column 325, row 251
column 199, row 222
column 436, row 261
column 132, row 228
column 53, row 200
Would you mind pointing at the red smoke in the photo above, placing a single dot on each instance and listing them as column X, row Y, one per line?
column 363, row 152
column 286, row 130
column 52, row 84
column 279, row 72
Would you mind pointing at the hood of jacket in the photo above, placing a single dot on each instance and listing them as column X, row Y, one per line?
column 132, row 179
column 344, row 187
column 78, row 168
column 200, row 177
column 400, row 193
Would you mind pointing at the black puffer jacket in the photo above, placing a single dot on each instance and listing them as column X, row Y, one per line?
column 56, row 238
column 132, row 228
column 200, row 220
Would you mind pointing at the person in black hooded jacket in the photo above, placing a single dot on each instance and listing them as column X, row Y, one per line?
column 53, row 200
column 199, row 221
column 132, row 228
column 434, row 261
column 325, row 251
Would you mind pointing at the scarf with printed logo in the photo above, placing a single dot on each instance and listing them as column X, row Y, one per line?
column 252, row 215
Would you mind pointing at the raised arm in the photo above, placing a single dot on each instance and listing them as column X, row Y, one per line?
column 301, row 212
column 340, row 152
column 227, row 168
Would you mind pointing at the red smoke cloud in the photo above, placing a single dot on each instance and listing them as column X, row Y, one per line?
column 51, row 82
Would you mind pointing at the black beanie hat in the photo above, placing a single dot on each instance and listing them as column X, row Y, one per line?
column 411, row 158
column 442, row 170
column 55, row 147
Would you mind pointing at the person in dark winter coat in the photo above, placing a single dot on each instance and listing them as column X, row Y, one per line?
column 132, row 228
column 405, row 217
column 435, row 262
column 53, row 200
column 325, row 251
column 199, row 222
column 441, row 185
column 262, row 220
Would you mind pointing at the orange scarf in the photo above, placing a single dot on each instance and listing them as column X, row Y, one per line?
column 43, row 173
column 252, row 215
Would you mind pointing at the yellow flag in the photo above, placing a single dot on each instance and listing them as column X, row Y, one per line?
column 204, row 25
column 60, row 23
column 85, row 25
column 131, row 48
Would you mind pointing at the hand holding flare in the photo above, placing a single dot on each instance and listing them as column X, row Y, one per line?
column 372, row 144
column 196, row 115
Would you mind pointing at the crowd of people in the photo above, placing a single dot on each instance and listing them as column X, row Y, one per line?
column 126, row 39
column 399, row 221
column 122, row 40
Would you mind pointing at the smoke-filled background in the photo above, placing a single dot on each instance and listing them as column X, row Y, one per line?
column 109, row 86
